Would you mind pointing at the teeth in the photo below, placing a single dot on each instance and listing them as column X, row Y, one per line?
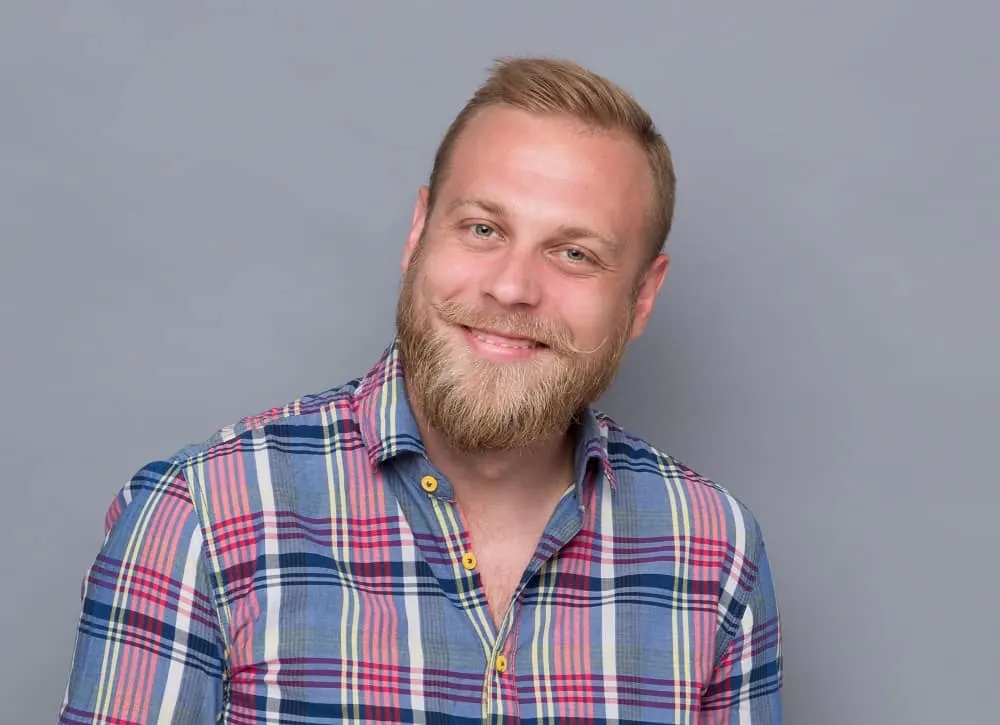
column 505, row 342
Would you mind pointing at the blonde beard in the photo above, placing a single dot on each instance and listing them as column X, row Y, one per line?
column 477, row 405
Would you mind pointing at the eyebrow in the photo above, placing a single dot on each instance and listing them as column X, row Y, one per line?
column 567, row 232
column 490, row 207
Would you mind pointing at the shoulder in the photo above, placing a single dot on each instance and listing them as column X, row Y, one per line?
column 330, row 407
column 218, row 478
column 222, row 460
column 672, row 494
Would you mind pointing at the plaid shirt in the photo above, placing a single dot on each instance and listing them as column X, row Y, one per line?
column 309, row 565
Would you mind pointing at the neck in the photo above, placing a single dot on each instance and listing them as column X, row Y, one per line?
column 514, row 478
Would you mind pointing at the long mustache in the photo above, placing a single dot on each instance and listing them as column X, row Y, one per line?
column 516, row 324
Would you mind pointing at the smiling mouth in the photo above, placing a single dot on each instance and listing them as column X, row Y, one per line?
column 506, row 342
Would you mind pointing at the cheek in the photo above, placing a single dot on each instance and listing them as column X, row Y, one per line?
column 588, row 315
column 448, row 277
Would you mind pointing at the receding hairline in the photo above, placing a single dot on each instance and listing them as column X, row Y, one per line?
column 573, row 124
column 560, row 88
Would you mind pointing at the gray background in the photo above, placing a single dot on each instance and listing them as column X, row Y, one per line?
column 203, row 208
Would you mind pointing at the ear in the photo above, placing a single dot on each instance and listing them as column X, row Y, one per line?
column 649, row 287
column 416, row 227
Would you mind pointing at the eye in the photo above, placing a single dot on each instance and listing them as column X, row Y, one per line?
column 482, row 230
column 576, row 255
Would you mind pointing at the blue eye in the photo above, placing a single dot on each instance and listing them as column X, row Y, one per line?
column 576, row 255
column 482, row 230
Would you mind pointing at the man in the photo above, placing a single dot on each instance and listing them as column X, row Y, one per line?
column 456, row 536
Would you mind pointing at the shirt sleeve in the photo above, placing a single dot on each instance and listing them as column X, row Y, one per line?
column 747, row 680
column 149, row 647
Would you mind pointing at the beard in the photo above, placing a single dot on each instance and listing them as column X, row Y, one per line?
column 480, row 405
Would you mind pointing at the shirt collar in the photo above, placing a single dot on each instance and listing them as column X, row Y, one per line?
column 388, row 428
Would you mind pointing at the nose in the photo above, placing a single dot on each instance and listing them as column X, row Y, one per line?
column 513, row 279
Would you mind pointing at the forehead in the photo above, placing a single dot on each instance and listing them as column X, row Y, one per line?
column 551, row 168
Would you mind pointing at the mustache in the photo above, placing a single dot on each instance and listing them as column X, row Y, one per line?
column 552, row 335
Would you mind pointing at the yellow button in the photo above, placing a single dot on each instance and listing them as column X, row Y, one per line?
column 429, row 484
column 469, row 560
column 501, row 664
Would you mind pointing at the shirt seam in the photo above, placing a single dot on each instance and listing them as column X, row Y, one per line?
column 209, row 562
column 750, row 558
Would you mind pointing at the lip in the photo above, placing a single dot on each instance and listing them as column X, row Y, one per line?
column 497, row 345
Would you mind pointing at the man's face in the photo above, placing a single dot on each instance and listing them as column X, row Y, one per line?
column 526, row 281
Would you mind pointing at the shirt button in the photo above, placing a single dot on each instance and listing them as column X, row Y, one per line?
column 500, row 663
column 429, row 484
column 469, row 560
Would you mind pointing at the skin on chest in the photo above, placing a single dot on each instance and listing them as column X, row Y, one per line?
column 503, row 551
column 504, row 531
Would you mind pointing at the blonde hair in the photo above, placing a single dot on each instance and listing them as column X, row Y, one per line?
column 551, row 86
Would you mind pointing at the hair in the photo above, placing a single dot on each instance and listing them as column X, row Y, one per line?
column 552, row 86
